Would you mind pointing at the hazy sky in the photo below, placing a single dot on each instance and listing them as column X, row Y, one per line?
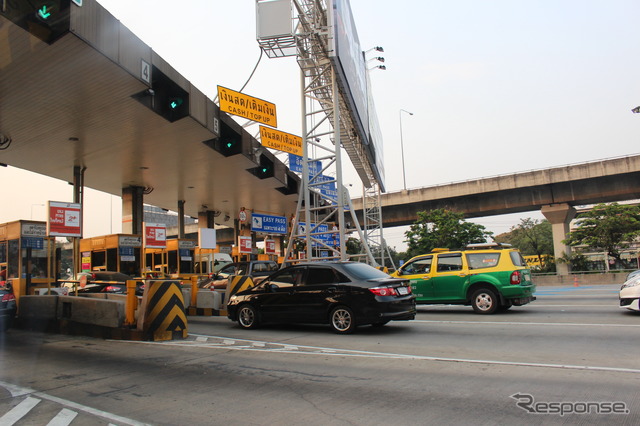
column 496, row 86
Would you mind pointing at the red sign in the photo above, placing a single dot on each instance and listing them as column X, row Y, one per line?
column 155, row 235
column 242, row 215
column 270, row 246
column 245, row 244
column 64, row 219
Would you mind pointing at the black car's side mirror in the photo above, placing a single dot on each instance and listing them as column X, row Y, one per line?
column 269, row 287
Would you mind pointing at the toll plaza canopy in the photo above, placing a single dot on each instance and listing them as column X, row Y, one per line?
column 77, row 88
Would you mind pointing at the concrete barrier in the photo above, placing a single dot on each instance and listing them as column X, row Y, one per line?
column 38, row 308
column 90, row 310
column 579, row 279
column 209, row 299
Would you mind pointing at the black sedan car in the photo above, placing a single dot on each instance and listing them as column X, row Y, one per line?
column 103, row 282
column 342, row 294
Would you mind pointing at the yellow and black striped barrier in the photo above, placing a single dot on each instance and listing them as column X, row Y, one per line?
column 236, row 284
column 164, row 313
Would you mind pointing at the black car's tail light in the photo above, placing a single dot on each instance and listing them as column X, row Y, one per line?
column 8, row 297
column 383, row 291
column 111, row 289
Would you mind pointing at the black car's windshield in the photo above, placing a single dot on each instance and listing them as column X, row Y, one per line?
column 363, row 271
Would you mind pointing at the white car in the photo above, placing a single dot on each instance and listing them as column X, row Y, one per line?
column 630, row 293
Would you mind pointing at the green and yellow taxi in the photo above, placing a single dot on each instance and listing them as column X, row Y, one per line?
column 489, row 277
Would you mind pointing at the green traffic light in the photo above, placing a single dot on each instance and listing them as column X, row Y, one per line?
column 229, row 144
column 42, row 12
column 175, row 103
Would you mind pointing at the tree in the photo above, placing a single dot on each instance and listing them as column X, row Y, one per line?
column 354, row 246
column 532, row 237
column 442, row 228
column 608, row 227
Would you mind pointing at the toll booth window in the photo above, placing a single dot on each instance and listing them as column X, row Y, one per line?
column 186, row 261
column 13, row 259
column 99, row 261
column 112, row 259
column 158, row 263
column 38, row 262
column 3, row 252
column 172, row 261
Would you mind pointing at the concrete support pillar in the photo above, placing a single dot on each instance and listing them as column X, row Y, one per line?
column 132, row 210
column 180, row 218
column 206, row 219
column 78, row 197
column 560, row 215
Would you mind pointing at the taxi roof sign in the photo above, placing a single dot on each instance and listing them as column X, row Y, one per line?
column 246, row 106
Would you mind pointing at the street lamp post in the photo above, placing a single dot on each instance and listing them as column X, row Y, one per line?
column 404, row 178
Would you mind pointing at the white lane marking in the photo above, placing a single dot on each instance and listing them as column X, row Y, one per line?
column 19, row 411
column 317, row 350
column 574, row 306
column 19, row 390
column 64, row 418
column 525, row 323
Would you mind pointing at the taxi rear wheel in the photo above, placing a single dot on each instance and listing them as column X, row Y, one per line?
column 484, row 301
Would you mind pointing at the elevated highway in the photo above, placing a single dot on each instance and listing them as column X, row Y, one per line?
column 553, row 191
column 608, row 180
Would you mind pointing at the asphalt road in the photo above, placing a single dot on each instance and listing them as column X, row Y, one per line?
column 568, row 358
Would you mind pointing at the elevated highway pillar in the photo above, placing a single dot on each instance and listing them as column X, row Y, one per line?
column 560, row 215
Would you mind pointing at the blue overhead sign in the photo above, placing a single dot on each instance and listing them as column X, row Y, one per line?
column 268, row 224
column 295, row 165
column 321, row 232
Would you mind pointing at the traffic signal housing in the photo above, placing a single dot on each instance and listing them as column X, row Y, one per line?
column 291, row 184
column 265, row 168
column 47, row 20
column 165, row 97
column 230, row 141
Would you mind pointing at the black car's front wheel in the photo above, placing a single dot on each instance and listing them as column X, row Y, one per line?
column 248, row 316
column 342, row 320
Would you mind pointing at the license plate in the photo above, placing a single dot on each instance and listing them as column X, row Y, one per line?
column 402, row 291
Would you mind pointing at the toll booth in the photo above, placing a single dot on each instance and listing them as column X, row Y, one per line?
column 27, row 256
column 177, row 258
column 116, row 252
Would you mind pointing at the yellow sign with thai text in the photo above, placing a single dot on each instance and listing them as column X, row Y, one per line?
column 281, row 141
column 255, row 109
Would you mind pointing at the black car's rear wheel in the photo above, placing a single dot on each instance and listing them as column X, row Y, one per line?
column 342, row 320
column 248, row 316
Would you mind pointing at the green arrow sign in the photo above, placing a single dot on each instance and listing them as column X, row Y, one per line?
column 42, row 12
